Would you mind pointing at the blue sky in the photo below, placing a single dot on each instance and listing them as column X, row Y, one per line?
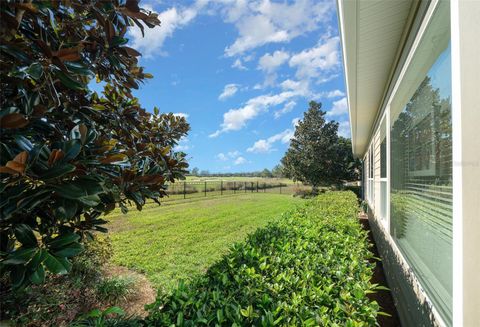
column 242, row 72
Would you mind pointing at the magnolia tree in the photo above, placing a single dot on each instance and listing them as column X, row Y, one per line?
column 69, row 155
column 317, row 155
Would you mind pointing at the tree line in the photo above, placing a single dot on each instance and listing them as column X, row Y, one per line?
column 276, row 172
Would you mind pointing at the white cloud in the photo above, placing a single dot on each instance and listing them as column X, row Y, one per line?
column 312, row 62
column 230, row 155
column 238, row 64
column 234, row 154
column 301, row 87
column 183, row 144
column 228, row 91
column 236, row 119
column 270, row 62
column 171, row 19
column 295, row 121
column 339, row 108
column 334, row 94
column 222, row 157
column 181, row 114
column 286, row 109
column 266, row 145
column 262, row 22
column 240, row 161
column 344, row 129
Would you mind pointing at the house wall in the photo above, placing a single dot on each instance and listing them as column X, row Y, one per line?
column 413, row 306
column 415, row 303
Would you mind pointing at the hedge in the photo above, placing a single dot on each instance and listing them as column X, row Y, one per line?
column 310, row 267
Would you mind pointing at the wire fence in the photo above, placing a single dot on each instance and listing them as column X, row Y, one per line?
column 190, row 190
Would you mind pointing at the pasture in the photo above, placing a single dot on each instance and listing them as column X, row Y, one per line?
column 180, row 241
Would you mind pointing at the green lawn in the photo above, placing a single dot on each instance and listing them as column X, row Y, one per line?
column 181, row 240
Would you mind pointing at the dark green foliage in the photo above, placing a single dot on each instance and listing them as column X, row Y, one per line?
column 68, row 155
column 278, row 171
column 317, row 155
column 307, row 194
column 61, row 298
column 309, row 268
column 101, row 318
column 266, row 173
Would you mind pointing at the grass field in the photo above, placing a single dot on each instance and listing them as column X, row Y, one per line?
column 182, row 240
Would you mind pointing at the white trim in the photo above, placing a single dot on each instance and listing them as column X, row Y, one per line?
column 387, row 117
column 457, row 189
column 350, row 92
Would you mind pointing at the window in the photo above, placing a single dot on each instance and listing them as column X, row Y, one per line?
column 370, row 177
column 421, row 163
column 383, row 170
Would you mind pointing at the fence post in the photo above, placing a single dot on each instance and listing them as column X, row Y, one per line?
column 221, row 187
column 184, row 190
column 245, row 187
column 234, row 187
column 251, row 186
column 280, row 188
column 257, row 186
column 205, row 189
column 264, row 187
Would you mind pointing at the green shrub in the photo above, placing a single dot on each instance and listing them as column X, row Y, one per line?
column 60, row 298
column 309, row 268
column 307, row 194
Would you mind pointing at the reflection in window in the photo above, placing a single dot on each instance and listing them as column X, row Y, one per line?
column 383, row 170
column 421, row 164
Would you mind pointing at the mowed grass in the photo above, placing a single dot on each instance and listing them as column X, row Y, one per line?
column 179, row 241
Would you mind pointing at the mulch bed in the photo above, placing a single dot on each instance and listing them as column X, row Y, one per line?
column 383, row 298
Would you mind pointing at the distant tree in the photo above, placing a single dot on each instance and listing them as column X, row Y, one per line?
column 347, row 168
column 69, row 155
column 317, row 155
column 195, row 171
column 266, row 173
column 204, row 173
column 278, row 171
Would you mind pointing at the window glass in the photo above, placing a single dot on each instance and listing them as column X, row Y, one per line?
column 383, row 170
column 383, row 150
column 421, row 163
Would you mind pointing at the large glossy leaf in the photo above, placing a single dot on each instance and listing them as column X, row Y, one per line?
column 25, row 235
column 35, row 70
column 66, row 209
column 38, row 276
column 55, row 265
column 69, row 82
column 72, row 148
column 69, row 251
column 37, row 258
column 58, row 171
column 63, row 240
column 15, row 53
column 90, row 200
column 20, row 256
column 14, row 120
column 69, row 191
